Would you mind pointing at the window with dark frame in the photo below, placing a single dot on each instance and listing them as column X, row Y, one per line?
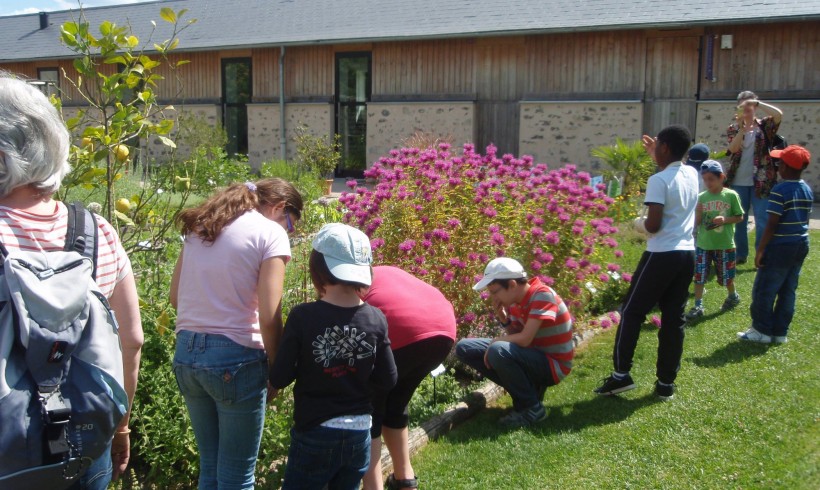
column 50, row 81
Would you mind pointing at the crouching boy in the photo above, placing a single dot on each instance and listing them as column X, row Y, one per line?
column 535, row 352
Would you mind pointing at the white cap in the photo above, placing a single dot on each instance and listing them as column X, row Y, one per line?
column 346, row 251
column 500, row 268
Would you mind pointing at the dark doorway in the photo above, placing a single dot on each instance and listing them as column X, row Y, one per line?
column 236, row 94
column 353, row 88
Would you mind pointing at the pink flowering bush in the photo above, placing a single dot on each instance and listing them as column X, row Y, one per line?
column 442, row 215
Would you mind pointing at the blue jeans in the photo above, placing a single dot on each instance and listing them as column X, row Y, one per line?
column 522, row 371
column 98, row 475
column 224, row 385
column 322, row 457
column 773, row 293
column 759, row 205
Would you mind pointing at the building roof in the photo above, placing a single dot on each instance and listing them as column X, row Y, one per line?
column 253, row 23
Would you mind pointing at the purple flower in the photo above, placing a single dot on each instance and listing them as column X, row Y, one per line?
column 619, row 253
column 604, row 277
column 656, row 320
column 552, row 238
column 497, row 239
column 613, row 267
column 535, row 265
column 627, row 277
column 376, row 243
column 448, row 276
column 489, row 211
column 351, row 183
column 453, row 223
column 441, row 234
column 407, row 245
column 571, row 263
column 606, row 323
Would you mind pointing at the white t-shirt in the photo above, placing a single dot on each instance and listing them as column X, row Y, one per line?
column 746, row 169
column 676, row 188
column 217, row 283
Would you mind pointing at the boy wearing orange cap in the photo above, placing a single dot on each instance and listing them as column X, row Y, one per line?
column 782, row 250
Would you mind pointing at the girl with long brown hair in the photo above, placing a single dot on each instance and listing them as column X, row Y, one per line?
column 227, row 288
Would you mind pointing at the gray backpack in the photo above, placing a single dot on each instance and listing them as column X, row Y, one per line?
column 61, row 377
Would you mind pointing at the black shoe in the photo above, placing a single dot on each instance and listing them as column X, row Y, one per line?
column 612, row 386
column 664, row 392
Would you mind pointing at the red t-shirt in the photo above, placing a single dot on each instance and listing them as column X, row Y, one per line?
column 554, row 336
column 414, row 309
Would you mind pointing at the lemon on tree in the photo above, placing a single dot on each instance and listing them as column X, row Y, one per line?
column 121, row 152
column 123, row 205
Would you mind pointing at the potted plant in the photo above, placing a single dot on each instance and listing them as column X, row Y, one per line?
column 318, row 156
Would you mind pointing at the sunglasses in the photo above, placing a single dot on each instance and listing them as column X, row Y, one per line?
column 290, row 227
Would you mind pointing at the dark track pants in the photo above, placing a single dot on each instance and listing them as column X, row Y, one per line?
column 663, row 279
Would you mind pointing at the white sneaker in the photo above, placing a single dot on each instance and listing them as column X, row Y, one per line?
column 752, row 335
column 779, row 339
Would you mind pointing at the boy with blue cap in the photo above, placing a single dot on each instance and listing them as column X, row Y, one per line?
column 717, row 212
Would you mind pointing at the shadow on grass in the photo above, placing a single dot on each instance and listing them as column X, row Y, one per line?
column 573, row 417
column 731, row 353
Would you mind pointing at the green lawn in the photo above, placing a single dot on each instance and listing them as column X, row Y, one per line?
column 745, row 416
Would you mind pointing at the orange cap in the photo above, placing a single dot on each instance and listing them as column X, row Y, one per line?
column 793, row 155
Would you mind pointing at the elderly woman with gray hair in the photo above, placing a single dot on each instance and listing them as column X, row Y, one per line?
column 34, row 145
column 751, row 172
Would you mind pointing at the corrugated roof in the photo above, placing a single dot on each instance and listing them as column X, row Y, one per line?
column 244, row 23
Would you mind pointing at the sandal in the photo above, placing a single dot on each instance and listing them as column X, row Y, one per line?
column 393, row 484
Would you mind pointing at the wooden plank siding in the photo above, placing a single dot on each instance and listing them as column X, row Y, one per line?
column 671, row 82
column 778, row 60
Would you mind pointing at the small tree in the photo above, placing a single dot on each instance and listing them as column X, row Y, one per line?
column 315, row 154
column 122, row 104
column 629, row 161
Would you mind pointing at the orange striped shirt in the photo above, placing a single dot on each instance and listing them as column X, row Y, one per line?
column 20, row 230
column 554, row 336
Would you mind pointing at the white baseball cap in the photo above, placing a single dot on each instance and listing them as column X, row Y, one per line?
column 346, row 251
column 500, row 268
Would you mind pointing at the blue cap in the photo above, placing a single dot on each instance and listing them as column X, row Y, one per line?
column 346, row 251
column 698, row 154
column 711, row 166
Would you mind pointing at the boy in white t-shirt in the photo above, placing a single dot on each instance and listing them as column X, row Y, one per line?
column 665, row 270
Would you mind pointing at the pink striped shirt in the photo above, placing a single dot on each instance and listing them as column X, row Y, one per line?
column 20, row 230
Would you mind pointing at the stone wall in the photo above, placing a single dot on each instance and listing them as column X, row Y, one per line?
column 390, row 123
column 264, row 132
column 558, row 133
column 800, row 126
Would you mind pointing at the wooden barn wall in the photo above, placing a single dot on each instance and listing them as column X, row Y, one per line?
column 779, row 60
column 425, row 67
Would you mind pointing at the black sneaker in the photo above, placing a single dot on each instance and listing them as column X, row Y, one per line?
column 664, row 391
column 730, row 303
column 612, row 386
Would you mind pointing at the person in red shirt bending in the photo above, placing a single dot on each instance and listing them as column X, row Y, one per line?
column 419, row 343
column 537, row 349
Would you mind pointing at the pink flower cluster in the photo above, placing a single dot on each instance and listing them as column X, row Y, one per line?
column 442, row 215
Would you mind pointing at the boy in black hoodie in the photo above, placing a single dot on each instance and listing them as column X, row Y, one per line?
column 337, row 351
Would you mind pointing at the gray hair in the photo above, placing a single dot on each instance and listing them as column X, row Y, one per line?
column 34, row 141
column 746, row 95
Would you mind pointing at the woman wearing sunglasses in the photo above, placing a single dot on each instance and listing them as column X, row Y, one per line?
column 227, row 289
